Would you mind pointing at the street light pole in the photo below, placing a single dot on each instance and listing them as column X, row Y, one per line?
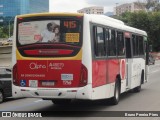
column 10, row 27
column 116, row 8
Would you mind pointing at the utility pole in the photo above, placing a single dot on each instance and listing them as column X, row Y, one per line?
column 116, row 9
column 10, row 26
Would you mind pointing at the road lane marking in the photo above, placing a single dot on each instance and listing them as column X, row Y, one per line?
column 154, row 71
column 22, row 106
column 38, row 101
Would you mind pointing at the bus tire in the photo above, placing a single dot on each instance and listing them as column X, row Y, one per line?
column 1, row 96
column 115, row 99
column 61, row 101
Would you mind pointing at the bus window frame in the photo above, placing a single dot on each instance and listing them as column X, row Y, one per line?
column 75, row 47
column 106, row 42
column 41, row 18
column 138, row 55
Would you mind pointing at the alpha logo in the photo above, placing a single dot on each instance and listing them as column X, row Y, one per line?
column 36, row 66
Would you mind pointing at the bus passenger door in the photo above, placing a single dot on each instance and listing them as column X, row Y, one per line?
column 129, row 60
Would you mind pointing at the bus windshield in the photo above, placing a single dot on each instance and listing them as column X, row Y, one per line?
column 51, row 30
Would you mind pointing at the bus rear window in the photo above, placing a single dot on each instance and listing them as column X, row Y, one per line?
column 49, row 31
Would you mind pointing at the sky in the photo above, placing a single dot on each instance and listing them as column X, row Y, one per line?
column 74, row 5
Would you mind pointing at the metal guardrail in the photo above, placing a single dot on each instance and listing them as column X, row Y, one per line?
column 3, row 39
column 5, row 56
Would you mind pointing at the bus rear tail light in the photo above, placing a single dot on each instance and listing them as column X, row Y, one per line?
column 45, row 52
column 20, row 18
column 84, row 76
column 15, row 75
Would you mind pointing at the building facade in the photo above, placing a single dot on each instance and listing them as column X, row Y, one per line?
column 130, row 7
column 92, row 10
column 11, row 8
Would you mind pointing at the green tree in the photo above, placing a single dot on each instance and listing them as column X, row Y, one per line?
column 4, row 31
column 152, row 5
column 147, row 21
column 155, row 30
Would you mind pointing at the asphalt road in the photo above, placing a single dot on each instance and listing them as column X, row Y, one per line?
column 147, row 100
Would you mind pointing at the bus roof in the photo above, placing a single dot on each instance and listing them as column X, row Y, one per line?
column 114, row 23
column 108, row 21
column 108, row 18
column 51, row 14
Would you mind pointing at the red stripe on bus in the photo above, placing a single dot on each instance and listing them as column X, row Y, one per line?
column 64, row 73
column 104, row 72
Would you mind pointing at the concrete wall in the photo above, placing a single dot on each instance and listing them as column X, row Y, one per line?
column 5, row 56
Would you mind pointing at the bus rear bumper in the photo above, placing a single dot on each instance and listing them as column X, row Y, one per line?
column 16, row 92
column 55, row 93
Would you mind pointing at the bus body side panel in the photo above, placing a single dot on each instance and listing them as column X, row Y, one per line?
column 104, row 76
column 137, row 66
column 123, row 74
column 16, row 92
column 86, row 60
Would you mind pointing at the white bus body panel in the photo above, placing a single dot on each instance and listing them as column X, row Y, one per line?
column 135, row 67
column 53, row 93
column 105, row 91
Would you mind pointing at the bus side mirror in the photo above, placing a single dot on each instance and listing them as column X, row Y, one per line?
column 150, row 48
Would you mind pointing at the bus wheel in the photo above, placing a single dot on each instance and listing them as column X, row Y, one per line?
column 1, row 96
column 115, row 99
column 61, row 101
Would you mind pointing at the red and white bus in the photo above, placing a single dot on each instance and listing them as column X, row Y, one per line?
column 96, row 57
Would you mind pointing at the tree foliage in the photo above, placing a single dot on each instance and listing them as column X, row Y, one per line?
column 4, row 26
column 4, row 31
column 147, row 21
column 152, row 5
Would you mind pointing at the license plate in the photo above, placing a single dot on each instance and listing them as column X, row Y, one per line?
column 33, row 83
column 66, row 76
column 47, row 83
column 2, row 71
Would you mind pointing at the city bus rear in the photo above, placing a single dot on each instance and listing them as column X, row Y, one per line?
column 49, row 63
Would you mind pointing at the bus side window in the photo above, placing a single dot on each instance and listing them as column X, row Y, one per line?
column 95, row 41
column 107, row 38
column 99, row 42
column 112, row 43
column 141, row 45
column 128, row 48
column 120, row 44
column 135, row 44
